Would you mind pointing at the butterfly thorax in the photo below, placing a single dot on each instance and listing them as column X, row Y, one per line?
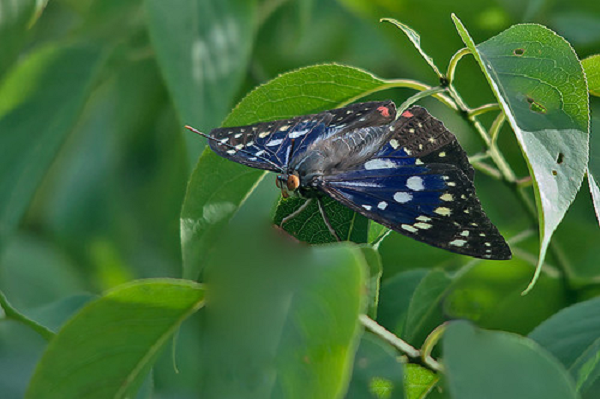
column 340, row 151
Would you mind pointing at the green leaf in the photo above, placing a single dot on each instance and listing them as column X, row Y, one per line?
column 414, row 37
column 573, row 337
column 37, row 123
column 495, row 364
column 419, row 381
column 310, row 227
column 221, row 185
column 425, row 312
column 394, row 299
column 106, row 350
column 13, row 29
column 540, row 85
column 377, row 371
column 595, row 191
column 282, row 321
column 591, row 66
column 216, row 190
column 203, row 48
column 375, row 270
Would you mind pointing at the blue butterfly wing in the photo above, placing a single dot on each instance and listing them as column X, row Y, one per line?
column 435, row 204
column 269, row 145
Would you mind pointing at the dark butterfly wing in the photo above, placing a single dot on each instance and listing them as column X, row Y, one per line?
column 420, row 137
column 268, row 145
column 421, row 184
column 435, row 204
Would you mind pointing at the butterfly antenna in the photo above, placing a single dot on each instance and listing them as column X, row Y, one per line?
column 233, row 147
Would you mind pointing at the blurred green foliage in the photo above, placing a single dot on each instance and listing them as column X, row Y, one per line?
column 94, row 165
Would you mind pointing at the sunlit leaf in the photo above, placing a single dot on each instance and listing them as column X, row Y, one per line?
column 539, row 83
column 591, row 66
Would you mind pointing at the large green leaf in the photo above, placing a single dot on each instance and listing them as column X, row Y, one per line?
column 495, row 364
column 282, row 317
column 106, row 350
column 203, row 48
column 573, row 337
column 218, row 187
column 594, row 166
column 40, row 101
column 540, row 85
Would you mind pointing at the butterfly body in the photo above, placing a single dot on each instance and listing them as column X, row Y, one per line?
column 407, row 173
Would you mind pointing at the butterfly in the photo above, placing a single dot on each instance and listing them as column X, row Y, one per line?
column 406, row 172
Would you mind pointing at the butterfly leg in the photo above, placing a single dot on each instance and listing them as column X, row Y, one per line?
column 296, row 212
column 326, row 220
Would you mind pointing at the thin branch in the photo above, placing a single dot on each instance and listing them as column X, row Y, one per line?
column 13, row 314
column 399, row 344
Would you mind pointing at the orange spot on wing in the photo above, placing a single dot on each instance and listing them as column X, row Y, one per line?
column 384, row 111
column 407, row 114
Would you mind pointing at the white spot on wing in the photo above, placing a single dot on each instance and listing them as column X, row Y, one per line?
column 394, row 143
column 443, row 211
column 423, row 218
column 415, row 183
column 274, row 142
column 423, row 226
column 410, row 228
column 382, row 205
column 367, row 207
column 262, row 135
column 458, row 243
column 447, row 197
column 299, row 133
column 465, row 233
column 402, row 197
column 379, row 164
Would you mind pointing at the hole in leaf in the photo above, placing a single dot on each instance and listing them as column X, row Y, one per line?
column 535, row 106
column 560, row 158
column 554, row 173
column 519, row 52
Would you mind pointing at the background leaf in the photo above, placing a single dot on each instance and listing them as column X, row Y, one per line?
column 495, row 364
column 38, row 123
column 573, row 337
column 378, row 373
column 539, row 83
column 109, row 346
column 203, row 49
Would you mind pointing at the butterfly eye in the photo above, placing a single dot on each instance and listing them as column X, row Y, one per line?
column 293, row 182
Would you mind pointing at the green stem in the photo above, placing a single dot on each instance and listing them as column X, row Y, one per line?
column 454, row 62
column 13, row 314
column 396, row 342
column 416, row 85
column 422, row 94
column 483, row 109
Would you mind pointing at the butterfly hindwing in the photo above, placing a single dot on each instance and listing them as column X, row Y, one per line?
column 420, row 136
column 435, row 204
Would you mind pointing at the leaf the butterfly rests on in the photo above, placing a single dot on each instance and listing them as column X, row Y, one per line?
column 407, row 173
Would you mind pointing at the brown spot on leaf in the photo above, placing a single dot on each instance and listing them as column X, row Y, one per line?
column 519, row 52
